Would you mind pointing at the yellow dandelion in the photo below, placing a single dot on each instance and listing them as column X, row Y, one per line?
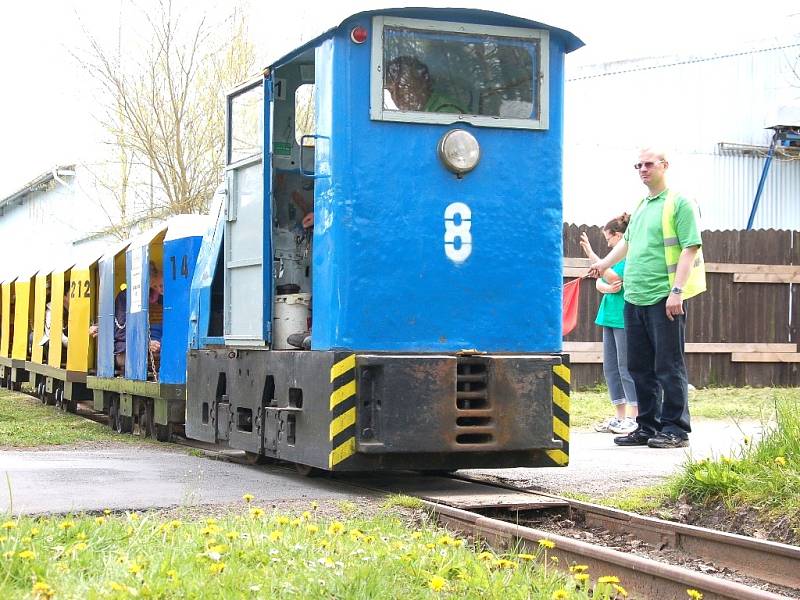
column 274, row 536
column 8, row 525
column 368, row 539
column 81, row 536
column 211, row 521
column 430, row 546
column 42, row 591
column 544, row 543
column 3, row 538
column 437, row 583
column 335, row 528
column 106, row 511
column 506, row 564
column 99, row 520
column 560, row 595
column 65, row 525
column 485, row 556
column 283, row 520
column 314, row 505
column 135, row 569
column 306, row 515
column 116, row 587
column 80, row 546
column 216, row 568
column 578, row 568
column 62, row 567
column 444, row 540
column 608, row 579
column 312, row 528
column 780, row 460
column 133, row 517
column 256, row 512
column 248, row 498
column 621, row 591
column 416, row 535
column 26, row 555
column 324, row 544
column 34, row 531
column 554, row 559
column 296, row 522
column 172, row 574
column 581, row 577
column 232, row 535
column 526, row 557
column 694, row 594
column 356, row 535
column 218, row 548
column 174, row 524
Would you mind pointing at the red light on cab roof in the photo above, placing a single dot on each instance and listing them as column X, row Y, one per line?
column 359, row 34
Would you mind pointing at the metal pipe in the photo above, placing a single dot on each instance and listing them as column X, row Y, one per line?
column 763, row 179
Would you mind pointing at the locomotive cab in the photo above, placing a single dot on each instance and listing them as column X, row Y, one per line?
column 390, row 246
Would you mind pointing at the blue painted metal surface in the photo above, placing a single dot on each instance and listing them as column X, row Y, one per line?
column 105, row 334
column 382, row 280
column 266, row 162
column 180, row 257
column 137, row 328
column 200, row 293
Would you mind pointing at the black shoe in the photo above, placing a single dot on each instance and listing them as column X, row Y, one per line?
column 667, row 440
column 637, row 437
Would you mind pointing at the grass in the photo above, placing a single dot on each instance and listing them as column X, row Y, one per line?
column 258, row 555
column 25, row 422
column 756, row 404
column 764, row 476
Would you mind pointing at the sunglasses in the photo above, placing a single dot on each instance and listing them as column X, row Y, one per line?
column 646, row 165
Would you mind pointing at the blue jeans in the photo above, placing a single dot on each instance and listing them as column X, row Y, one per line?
column 656, row 363
column 615, row 367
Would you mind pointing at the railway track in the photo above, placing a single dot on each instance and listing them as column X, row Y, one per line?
column 503, row 516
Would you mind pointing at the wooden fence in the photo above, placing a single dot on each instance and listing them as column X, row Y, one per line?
column 742, row 331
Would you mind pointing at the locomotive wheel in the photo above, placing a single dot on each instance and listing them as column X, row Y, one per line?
column 307, row 471
column 41, row 393
column 59, row 399
column 163, row 433
column 254, row 458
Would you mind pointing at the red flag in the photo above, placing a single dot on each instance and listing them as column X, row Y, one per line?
column 569, row 306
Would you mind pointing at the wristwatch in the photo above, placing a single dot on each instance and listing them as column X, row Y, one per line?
column 676, row 290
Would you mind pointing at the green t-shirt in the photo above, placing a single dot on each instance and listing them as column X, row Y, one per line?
column 646, row 278
column 611, row 306
column 439, row 103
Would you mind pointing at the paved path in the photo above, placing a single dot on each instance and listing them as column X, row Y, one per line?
column 598, row 467
column 118, row 476
column 131, row 477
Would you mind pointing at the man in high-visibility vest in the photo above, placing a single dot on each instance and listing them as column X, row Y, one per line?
column 664, row 267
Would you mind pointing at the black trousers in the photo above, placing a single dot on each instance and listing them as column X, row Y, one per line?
column 656, row 363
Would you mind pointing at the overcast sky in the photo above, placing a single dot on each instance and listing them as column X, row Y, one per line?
column 45, row 107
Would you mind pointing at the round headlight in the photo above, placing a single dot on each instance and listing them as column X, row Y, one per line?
column 459, row 151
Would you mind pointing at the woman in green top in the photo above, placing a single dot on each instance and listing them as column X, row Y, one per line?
column 609, row 317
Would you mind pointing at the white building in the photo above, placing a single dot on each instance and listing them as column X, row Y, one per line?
column 708, row 112
column 48, row 222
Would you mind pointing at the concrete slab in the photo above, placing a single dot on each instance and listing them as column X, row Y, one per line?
column 598, row 467
column 135, row 478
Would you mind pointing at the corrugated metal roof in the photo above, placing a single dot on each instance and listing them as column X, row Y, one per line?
column 37, row 184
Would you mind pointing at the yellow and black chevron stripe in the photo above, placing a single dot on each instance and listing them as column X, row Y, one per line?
column 343, row 409
column 561, row 413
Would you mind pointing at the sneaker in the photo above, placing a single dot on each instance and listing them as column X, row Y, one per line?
column 625, row 426
column 637, row 437
column 608, row 425
column 667, row 440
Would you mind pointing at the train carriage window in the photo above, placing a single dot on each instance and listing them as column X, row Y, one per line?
column 305, row 122
column 246, row 124
column 435, row 72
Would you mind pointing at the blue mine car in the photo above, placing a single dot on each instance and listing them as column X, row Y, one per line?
column 383, row 286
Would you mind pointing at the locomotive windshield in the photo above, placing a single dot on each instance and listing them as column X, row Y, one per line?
column 443, row 72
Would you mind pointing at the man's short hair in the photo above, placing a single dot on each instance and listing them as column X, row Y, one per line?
column 659, row 152
column 400, row 65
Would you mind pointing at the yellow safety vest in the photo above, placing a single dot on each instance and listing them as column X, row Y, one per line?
column 696, row 283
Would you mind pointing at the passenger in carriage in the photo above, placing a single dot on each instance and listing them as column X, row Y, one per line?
column 156, row 313
column 48, row 318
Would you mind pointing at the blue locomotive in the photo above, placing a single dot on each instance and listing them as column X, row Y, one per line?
column 381, row 287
